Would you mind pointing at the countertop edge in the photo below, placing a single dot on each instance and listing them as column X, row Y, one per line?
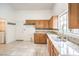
column 53, row 42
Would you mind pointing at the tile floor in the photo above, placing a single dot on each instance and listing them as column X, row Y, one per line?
column 23, row 48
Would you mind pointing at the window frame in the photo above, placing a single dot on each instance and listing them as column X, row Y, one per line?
column 65, row 13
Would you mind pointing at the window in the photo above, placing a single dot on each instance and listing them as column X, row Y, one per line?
column 63, row 22
column 63, row 28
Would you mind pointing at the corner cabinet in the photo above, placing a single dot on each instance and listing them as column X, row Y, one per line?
column 73, row 15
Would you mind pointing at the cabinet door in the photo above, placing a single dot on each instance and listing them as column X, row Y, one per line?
column 37, row 24
column 49, row 46
column 42, row 38
column 56, row 53
column 36, row 38
column 51, row 23
column 45, row 24
column 52, row 50
column 41, row 24
column 73, row 15
column 55, row 18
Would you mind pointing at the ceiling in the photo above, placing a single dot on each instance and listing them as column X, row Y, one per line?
column 32, row 6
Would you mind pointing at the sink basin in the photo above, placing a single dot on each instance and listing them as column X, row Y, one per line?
column 62, row 38
column 57, row 39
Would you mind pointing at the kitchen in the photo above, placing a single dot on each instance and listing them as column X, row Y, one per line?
column 49, row 24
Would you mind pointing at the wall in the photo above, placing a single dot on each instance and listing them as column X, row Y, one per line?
column 27, row 15
column 58, row 8
column 7, row 13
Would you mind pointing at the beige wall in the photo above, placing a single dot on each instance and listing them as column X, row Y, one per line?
column 58, row 8
column 7, row 12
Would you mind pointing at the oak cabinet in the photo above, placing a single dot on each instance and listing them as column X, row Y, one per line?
column 36, row 38
column 54, row 51
column 40, row 38
column 73, row 14
column 51, row 48
column 38, row 23
column 53, row 22
column 45, row 24
column 30, row 22
column 55, row 19
column 42, row 24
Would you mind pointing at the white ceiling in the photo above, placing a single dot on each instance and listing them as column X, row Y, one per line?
column 32, row 6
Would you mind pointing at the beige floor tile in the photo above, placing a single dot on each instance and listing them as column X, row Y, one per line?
column 23, row 48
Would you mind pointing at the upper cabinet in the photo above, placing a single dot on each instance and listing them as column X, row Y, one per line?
column 73, row 15
column 44, row 24
column 30, row 22
column 53, row 22
column 41, row 24
column 55, row 19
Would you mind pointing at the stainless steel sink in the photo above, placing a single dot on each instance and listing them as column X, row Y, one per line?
column 62, row 38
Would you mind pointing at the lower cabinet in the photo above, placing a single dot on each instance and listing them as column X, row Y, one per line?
column 54, row 51
column 40, row 38
column 49, row 46
column 51, row 49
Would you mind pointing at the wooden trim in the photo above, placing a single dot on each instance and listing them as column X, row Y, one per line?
column 29, row 24
column 11, row 23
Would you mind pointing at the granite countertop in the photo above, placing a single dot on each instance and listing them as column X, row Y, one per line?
column 58, row 43
column 43, row 31
column 72, row 40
